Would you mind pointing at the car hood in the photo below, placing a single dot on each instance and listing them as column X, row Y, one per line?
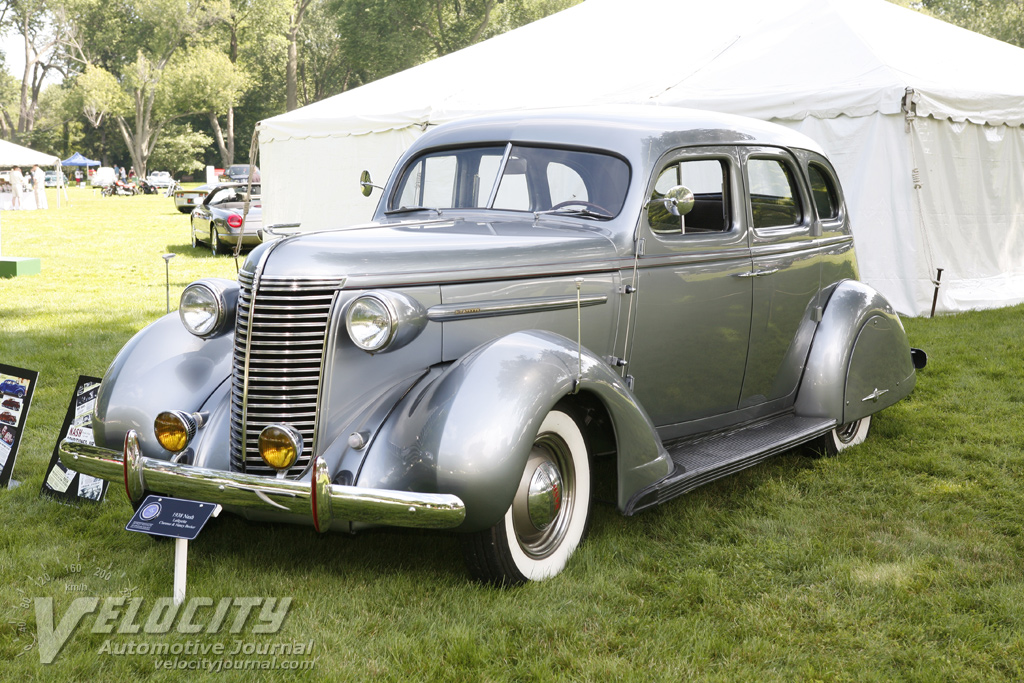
column 441, row 251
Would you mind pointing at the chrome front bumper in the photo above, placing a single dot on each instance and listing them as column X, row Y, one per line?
column 319, row 500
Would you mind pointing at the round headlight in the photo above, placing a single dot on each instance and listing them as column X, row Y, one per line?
column 280, row 446
column 206, row 305
column 370, row 323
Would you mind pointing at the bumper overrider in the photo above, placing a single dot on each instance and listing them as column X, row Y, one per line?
column 319, row 499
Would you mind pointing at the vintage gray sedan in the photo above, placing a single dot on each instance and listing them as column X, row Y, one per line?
column 673, row 293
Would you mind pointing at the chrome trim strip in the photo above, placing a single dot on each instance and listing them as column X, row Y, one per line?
column 330, row 330
column 270, row 494
column 244, row 397
column 491, row 309
column 497, row 179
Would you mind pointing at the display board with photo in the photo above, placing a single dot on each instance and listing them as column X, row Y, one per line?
column 61, row 482
column 16, row 388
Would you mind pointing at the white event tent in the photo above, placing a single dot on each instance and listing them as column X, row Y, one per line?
column 924, row 121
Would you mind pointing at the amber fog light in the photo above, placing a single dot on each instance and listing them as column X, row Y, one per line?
column 280, row 446
column 175, row 429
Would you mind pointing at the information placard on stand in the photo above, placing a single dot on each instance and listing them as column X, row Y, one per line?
column 16, row 388
column 61, row 482
column 175, row 518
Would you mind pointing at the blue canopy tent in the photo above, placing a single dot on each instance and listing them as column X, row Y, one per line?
column 77, row 159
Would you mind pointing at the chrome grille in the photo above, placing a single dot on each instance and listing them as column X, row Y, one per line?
column 282, row 326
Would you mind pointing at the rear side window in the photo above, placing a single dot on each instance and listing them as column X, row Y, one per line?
column 774, row 200
column 708, row 180
column 823, row 189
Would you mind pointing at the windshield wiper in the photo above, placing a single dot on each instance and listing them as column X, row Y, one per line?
column 587, row 213
column 409, row 209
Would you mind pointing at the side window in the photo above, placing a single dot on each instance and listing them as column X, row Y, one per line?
column 430, row 183
column 708, row 180
column 450, row 179
column 514, row 191
column 773, row 196
column 826, row 199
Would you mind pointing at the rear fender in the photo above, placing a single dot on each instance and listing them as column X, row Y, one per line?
column 860, row 359
column 470, row 430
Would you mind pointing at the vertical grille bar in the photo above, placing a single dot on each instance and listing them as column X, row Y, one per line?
column 282, row 324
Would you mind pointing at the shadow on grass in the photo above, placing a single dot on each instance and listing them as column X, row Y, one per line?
column 424, row 554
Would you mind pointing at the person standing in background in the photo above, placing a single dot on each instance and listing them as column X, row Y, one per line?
column 39, row 186
column 17, row 186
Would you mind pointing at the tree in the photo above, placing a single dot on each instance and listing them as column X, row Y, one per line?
column 381, row 37
column 298, row 13
column 178, row 148
column 999, row 19
column 196, row 81
column 154, row 80
column 99, row 94
column 248, row 27
column 41, row 39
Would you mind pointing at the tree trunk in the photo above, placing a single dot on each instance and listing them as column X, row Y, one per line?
column 231, row 137
column 218, row 136
column 291, row 75
column 291, row 72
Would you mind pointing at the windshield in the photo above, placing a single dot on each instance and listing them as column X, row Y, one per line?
column 537, row 179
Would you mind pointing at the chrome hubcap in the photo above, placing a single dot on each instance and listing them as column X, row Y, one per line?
column 847, row 431
column 544, row 498
column 542, row 507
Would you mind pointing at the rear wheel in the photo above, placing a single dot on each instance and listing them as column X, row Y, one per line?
column 214, row 242
column 842, row 437
column 548, row 517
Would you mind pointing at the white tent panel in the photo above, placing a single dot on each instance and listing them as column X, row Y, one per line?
column 315, row 180
column 16, row 155
column 836, row 70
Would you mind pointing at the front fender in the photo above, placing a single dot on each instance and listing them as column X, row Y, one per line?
column 162, row 367
column 860, row 358
column 470, row 430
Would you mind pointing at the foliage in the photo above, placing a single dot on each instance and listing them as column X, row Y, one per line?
column 999, row 19
column 899, row 560
column 179, row 149
column 98, row 93
column 220, row 65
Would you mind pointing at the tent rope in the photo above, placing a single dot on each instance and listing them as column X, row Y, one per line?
column 254, row 152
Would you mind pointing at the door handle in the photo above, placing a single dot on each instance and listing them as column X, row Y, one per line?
column 758, row 273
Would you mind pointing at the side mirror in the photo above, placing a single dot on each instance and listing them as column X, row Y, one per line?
column 678, row 201
column 366, row 183
column 665, row 213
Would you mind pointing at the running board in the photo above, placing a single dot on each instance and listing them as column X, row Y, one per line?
column 705, row 459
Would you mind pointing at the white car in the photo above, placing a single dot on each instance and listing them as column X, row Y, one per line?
column 186, row 199
column 102, row 176
column 160, row 179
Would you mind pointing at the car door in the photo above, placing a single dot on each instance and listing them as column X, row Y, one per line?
column 786, row 275
column 691, row 311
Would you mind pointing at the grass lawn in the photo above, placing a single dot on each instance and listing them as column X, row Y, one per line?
column 900, row 560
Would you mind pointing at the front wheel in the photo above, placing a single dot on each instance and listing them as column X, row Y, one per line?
column 842, row 437
column 548, row 517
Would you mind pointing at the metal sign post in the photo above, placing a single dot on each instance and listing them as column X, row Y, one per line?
column 176, row 518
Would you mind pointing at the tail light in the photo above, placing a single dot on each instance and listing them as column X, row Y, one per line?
column 234, row 221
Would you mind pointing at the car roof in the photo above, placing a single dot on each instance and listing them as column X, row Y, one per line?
column 619, row 128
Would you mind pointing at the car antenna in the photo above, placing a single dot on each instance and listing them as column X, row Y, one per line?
column 579, row 339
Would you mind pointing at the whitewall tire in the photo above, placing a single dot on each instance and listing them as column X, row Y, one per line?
column 549, row 515
column 842, row 437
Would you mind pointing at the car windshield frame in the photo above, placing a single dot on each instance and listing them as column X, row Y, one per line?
column 519, row 177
